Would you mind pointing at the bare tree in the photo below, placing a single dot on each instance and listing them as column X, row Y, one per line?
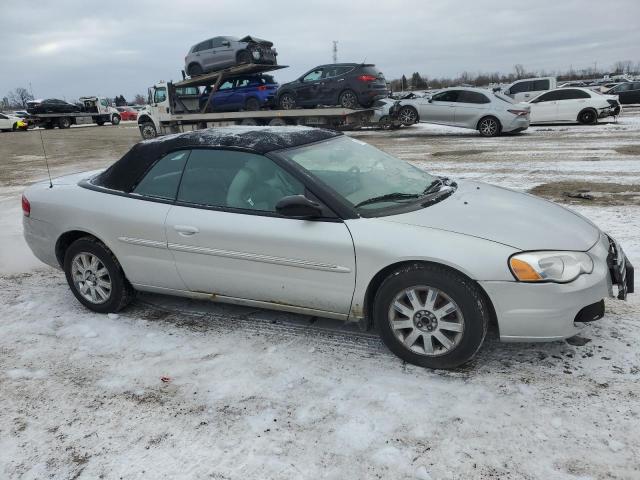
column 19, row 97
column 520, row 71
column 139, row 99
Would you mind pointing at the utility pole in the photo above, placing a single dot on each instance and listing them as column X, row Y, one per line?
column 335, row 51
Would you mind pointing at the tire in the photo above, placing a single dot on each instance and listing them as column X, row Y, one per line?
column 588, row 117
column 287, row 101
column 385, row 122
column 424, row 341
column 95, row 276
column 100, row 122
column 64, row 122
column 252, row 104
column 278, row 122
column 115, row 119
column 408, row 115
column 194, row 70
column 348, row 99
column 249, row 122
column 148, row 130
column 489, row 127
column 244, row 57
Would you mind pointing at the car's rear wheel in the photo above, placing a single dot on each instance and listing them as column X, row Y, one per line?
column 588, row 117
column 95, row 276
column 287, row 101
column 64, row 122
column 348, row 99
column 115, row 119
column 385, row 122
column 194, row 70
column 148, row 130
column 252, row 104
column 407, row 115
column 431, row 316
column 489, row 127
column 244, row 57
column 278, row 122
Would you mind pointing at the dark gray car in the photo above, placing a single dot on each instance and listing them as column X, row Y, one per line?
column 221, row 52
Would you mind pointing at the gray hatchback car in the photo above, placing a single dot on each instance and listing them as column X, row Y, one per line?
column 221, row 52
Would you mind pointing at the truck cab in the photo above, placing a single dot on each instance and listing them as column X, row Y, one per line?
column 100, row 110
column 529, row 88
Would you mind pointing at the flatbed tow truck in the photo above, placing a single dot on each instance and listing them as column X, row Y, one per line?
column 174, row 108
column 96, row 110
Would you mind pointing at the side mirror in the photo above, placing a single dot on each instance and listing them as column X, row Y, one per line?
column 226, row 43
column 507, row 92
column 298, row 206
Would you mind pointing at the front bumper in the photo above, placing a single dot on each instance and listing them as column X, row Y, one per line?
column 529, row 312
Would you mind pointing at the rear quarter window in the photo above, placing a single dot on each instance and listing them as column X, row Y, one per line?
column 162, row 180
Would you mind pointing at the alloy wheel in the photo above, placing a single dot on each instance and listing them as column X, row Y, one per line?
column 407, row 116
column 426, row 320
column 287, row 102
column 488, row 127
column 91, row 278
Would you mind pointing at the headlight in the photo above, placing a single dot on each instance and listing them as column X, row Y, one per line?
column 559, row 267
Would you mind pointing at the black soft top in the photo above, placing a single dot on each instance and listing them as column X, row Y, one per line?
column 125, row 173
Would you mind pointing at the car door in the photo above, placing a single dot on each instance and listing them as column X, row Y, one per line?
column 522, row 91
column 223, row 54
column 205, row 55
column 136, row 223
column 470, row 107
column 308, row 90
column 440, row 108
column 570, row 103
column 5, row 123
column 544, row 108
column 332, row 83
column 228, row 241
column 223, row 98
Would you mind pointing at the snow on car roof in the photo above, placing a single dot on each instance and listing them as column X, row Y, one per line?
column 123, row 174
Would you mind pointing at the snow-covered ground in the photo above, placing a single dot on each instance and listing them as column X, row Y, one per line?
column 176, row 389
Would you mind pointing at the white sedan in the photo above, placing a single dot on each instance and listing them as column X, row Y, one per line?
column 312, row 221
column 11, row 123
column 573, row 105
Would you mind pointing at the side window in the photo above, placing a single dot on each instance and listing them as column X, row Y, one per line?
column 242, row 82
column 540, row 85
column 2, row 116
column 447, row 96
column 226, row 85
column 571, row 94
column 160, row 95
column 313, row 76
column 521, row 87
column 162, row 180
column 104, row 103
column 548, row 97
column 472, row 97
column 216, row 42
column 223, row 178
column 207, row 45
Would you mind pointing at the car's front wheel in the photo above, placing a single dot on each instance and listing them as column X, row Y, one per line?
column 431, row 316
column 95, row 276
column 115, row 119
column 407, row 115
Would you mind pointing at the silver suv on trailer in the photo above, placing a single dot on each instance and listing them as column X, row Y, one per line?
column 221, row 52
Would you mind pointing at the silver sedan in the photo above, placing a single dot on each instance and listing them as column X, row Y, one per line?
column 311, row 221
column 491, row 113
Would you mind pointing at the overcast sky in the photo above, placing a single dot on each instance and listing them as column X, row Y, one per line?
column 67, row 48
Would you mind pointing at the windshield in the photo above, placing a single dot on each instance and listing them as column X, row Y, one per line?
column 361, row 174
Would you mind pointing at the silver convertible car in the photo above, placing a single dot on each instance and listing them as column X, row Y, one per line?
column 311, row 221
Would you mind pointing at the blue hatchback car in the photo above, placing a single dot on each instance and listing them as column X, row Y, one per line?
column 246, row 92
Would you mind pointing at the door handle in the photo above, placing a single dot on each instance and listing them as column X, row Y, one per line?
column 185, row 230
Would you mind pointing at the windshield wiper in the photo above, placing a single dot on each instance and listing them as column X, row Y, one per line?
column 388, row 197
column 433, row 187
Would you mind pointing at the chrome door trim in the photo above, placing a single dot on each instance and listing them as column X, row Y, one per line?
column 143, row 242
column 254, row 257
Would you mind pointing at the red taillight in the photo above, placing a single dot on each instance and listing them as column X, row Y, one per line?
column 519, row 113
column 26, row 206
column 367, row 78
column 262, row 88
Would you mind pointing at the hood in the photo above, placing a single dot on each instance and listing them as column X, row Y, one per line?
column 515, row 219
column 250, row 39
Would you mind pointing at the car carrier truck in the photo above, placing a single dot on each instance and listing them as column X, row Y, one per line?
column 174, row 108
column 95, row 110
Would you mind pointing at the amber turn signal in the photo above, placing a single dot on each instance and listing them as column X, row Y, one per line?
column 523, row 271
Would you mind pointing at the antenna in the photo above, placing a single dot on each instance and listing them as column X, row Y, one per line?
column 46, row 161
column 335, row 51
